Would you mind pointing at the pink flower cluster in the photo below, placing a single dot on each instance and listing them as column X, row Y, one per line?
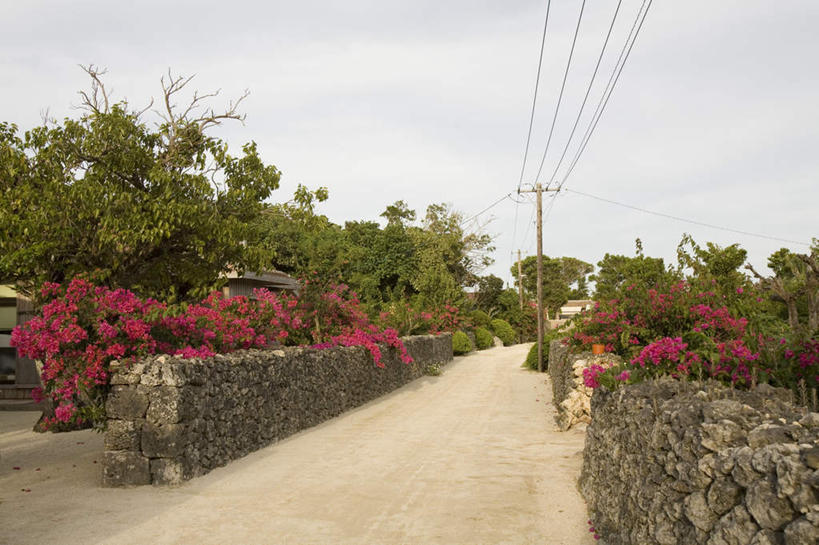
column 647, row 327
column 806, row 358
column 82, row 328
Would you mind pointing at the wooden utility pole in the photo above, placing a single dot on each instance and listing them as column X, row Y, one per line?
column 539, row 278
column 520, row 282
column 539, row 190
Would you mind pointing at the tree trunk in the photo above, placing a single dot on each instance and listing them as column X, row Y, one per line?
column 793, row 313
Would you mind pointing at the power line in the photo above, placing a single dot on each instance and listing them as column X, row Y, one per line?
column 488, row 208
column 549, row 210
column 529, row 227
column 534, row 98
column 586, row 96
column 686, row 220
column 562, row 88
column 613, row 79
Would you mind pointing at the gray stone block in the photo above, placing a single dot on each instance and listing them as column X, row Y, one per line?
column 123, row 435
column 801, row 532
column 769, row 510
column 163, row 440
column 168, row 472
column 126, row 402
column 123, row 468
column 723, row 495
column 165, row 405
column 767, row 434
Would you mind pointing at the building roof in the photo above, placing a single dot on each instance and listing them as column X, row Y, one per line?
column 268, row 279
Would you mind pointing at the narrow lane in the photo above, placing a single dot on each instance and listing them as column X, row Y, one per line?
column 471, row 456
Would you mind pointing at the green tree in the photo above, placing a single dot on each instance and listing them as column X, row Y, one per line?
column 398, row 213
column 559, row 274
column 162, row 209
column 524, row 320
column 449, row 259
column 617, row 272
column 428, row 265
column 575, row 273
column 795, row 284
column 489, row 289
column 289, row 233
column 713, row 267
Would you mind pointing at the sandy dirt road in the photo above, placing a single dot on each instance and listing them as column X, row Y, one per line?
column 471, row 456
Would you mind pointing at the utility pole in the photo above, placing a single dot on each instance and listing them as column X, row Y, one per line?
column 539, row 190
column 520, row 282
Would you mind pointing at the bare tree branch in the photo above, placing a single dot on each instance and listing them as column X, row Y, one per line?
column 139, row 113
column 97, row 101
column 177, row 119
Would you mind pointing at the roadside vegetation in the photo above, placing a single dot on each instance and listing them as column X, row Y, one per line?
column 120, row 224
column 706, row 318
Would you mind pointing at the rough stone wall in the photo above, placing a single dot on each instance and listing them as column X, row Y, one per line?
column 559, row 370
column 571, row 397
column 171, row 419
column 668, row 462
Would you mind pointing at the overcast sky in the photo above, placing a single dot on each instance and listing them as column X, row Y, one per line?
column 715, row 117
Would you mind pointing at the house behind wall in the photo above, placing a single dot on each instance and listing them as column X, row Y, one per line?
column 18, row 376
column 275, row 281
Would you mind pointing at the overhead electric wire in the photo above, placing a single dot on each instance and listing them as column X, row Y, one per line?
column 686, row 220
column 613, row 79
column 534, row 98
column 562, row 88
column 531, row 118
column 586, row 96
column 549, row 210
column 529, row 225
column 488, row 208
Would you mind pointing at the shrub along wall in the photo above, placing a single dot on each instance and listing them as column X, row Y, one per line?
column 171, row 419
column 560, row 371
column 570, row 395
column 671, row 462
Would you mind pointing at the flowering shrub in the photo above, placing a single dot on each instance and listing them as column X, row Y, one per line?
column 412, row 321
column 683, row 332
column 595, row 371
column 81, row 328
column 448, row 318
column 406, row 319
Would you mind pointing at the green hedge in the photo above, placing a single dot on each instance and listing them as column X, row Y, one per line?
column 531, row 358
column 504, row 331
column 548, row 337
column 483, row 338
column 461, row 343
column 480, row 319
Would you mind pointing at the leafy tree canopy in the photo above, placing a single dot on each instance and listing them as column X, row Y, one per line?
column 559, row 275
column 713, row 265
column 795, row 284
column 617, row 272
column 430, row 263
column 489, row 290
column 162, row 209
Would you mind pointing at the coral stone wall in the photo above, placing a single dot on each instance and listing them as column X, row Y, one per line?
column 171, row 419
column 560, row 371
column 571, row 397
column 668, row 462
